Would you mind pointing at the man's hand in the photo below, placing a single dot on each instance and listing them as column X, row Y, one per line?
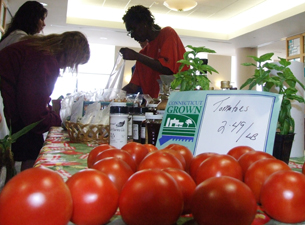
column 129, row 54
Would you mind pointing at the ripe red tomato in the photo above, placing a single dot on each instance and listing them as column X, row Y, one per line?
column 117, row 153
column 116, row 169
column 95, row 198
column 238, row 151
column 176, row 154
column 150, row 197
column 282, row 196
column 251, row 157
column 35, row 196
column 218, row 165
column 136, row 150
column 186, row 184
column 259, row 171
column 160, row 160
column 150, row 147
column 95, row 151
column 197, row 160
column 223, row 201
column 185, row 152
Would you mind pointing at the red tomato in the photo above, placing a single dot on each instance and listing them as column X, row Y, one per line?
column 116, row 169
column 259, row 171
column 186, row 184
column 150, row 197
column 95, row 198
column 218, row 165
column 197, row 160
column 151, row 147
column 250, row 157
column 176, row 154
column 282, row 196
column 238, row 151
column 136, row 150
column 95, row 151
column 160, row 160
column 35, row 196
column 223, row 201
column 185, row 152
column 117, row 153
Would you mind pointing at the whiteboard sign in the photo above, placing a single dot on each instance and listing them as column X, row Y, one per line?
column 216, row 121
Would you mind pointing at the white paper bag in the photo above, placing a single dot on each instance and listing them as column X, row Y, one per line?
column 116, row 77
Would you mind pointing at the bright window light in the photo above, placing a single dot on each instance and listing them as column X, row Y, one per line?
column 91, row 76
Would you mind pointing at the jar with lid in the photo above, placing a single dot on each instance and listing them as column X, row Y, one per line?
column 118, row 124
column 143, row 128
column 225, row 85
column 140, row 110
column 152, row 108
column 137, row 127
column 153, row 124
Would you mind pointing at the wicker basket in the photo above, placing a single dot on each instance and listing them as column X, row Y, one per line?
column 84, row 133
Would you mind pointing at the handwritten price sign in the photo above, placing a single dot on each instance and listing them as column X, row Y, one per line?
column 238, row 130
column 216, row 121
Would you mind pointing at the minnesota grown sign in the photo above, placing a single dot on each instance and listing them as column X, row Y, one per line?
column 216, row 121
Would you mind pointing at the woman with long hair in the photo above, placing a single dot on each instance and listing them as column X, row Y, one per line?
column 28, row 20
column 28, row 71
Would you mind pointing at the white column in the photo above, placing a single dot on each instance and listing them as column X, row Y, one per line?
column 297, row 112
column 244, row 72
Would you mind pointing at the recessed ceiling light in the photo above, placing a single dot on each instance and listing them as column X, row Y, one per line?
column 103, row 38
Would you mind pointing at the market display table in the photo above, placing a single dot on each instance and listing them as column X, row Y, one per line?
column 66, row 158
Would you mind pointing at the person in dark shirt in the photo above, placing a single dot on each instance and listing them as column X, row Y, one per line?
column 28, row 71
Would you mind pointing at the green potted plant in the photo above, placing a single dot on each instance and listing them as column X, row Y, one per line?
column 194, row 76
column 284, row 82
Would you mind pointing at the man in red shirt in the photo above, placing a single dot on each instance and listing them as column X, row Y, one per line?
column 160, row 55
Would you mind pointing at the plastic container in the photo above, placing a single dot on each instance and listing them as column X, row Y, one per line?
column 118, row 125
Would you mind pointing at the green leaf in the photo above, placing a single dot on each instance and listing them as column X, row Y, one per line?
column 183, row 85
column 265, row 57
column 175, row 83
column 284, row 62
column 200, row 49
column 203, row 81
column 249, row 81
column 248, row 64
column 23, row 131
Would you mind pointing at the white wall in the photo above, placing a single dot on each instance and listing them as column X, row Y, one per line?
column 223, row 65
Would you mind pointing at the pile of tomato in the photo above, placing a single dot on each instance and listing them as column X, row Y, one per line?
column 147, row 186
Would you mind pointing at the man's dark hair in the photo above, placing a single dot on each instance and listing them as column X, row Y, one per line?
column 138, row 14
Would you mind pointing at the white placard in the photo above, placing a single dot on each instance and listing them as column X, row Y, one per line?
column 216, row 121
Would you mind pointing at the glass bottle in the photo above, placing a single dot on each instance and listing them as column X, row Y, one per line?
column 153, row 124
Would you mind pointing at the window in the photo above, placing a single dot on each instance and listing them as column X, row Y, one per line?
column 91, row 76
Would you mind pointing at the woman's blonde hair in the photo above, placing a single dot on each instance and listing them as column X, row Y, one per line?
column 71, row 48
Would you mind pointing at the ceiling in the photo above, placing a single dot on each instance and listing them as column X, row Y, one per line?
column 216, row 24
